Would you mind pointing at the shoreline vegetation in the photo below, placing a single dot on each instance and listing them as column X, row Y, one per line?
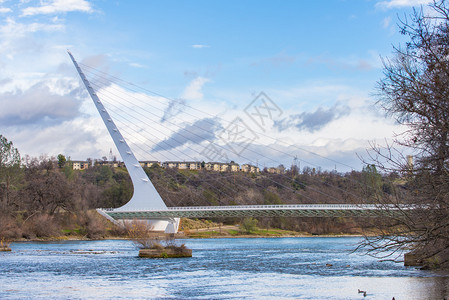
column 46, row 198
column 204, row 229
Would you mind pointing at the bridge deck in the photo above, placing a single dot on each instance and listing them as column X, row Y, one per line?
column 297, row 210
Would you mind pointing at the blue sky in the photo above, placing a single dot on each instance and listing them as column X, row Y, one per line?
column 317, row 61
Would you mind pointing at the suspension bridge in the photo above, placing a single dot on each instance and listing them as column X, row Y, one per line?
column 147, row 204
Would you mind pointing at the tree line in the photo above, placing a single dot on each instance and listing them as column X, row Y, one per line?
column 44, row 196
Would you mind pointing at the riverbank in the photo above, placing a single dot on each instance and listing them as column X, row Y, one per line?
column 189, row 228
column 234, row 231
column 212, row 233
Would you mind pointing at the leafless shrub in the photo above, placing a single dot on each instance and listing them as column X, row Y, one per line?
column 41, row 225
column 140, row 232
column 9, row 228
column 95, row 226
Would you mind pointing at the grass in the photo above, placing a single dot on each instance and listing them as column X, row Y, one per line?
column 270, row 232
column 71, row 231
column 204, row 234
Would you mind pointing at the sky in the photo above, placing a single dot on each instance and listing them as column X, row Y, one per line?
column 298, row 77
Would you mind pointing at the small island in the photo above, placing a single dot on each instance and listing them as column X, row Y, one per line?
column 150, row 243
column 172, row 251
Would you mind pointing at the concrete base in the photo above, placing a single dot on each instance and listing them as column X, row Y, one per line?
column 167, row 225
column 157, row 225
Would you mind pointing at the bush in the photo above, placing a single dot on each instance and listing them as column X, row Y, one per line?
column 140, row 233
column 249, row 225
column 9, row 228
column 41, row 226
column 95, row 225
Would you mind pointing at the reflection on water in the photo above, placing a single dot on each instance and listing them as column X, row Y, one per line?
column 271, row 268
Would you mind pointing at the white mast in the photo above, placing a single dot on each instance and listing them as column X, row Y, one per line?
column 145, row 196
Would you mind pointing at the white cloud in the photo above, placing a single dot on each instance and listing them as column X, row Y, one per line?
column 58, row 6
column 200, row 46
column 39, row 105
column 402, row 3
column 193, row 90
column 386, row 22
column 5, row 10
column 136, row 65
column 13, row 29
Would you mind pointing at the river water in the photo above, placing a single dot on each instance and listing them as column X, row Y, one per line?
column 260, row 268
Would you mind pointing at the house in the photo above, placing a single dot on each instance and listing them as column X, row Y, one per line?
column 80, row 165
column 247, row 168
column 149, row 163
column 213, row 166
column 234, row 167
column 182, row 165
column 222, row 167
column 274, row 170
column 114, row 164
column 193, row 165
column 170, row 164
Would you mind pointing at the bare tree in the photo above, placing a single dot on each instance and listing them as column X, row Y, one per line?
column 415, row 91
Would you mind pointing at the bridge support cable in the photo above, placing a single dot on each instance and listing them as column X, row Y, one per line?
column 188, row 178
column 137, row 111
column 104, row 81
column 201, row 112
column 145, row 122
column 116, row 80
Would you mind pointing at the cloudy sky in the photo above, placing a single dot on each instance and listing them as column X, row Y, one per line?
column 297, row 77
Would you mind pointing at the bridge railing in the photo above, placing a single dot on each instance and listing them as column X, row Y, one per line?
column 284, row 207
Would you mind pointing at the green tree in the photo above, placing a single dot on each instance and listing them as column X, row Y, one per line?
column 249, row 225
column 372, row 181
column 61, row 160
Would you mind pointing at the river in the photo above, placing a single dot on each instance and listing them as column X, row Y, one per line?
column 245, row 268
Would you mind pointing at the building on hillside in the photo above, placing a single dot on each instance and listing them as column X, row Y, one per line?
column 234, row 167
column 222, row 167
column 182, row 165
column 213, row 166
column 170, row 164
column 247, row 168
column 275, row 170
column 149, row 163
column 113, row 164
column 80, row 165
column 193, row 165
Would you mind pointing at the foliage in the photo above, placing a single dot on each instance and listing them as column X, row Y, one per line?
column 249, row 225
column 61, row 160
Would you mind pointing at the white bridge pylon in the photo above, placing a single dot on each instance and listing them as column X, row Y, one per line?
column 145, row 195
